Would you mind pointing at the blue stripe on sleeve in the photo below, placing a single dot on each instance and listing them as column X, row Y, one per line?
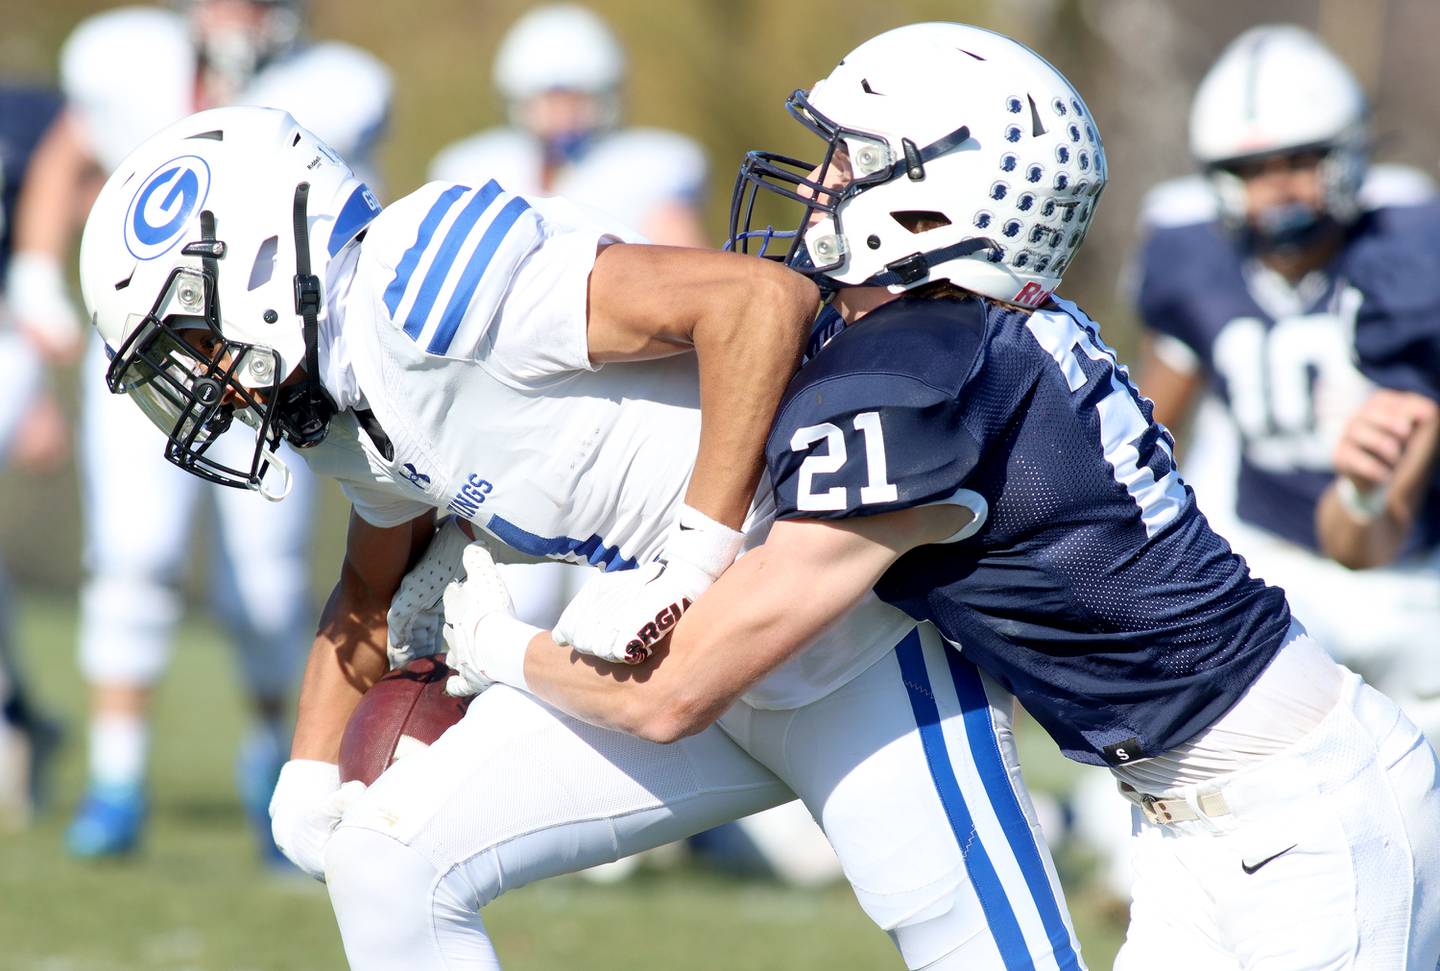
column 998, row 913
column 465, row 289
column 592, row 550
column 445, row 257
column 395, row 292
column 985, row 749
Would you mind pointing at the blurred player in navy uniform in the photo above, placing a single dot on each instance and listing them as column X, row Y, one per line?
column 969, row 447
column 32, row 435
column 126, row 73
column 1250, row 284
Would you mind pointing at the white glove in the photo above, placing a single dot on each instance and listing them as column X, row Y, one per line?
column 305, row 809
column 36, row 292
column 415, row 616
column 487, row 643
column 620, row 617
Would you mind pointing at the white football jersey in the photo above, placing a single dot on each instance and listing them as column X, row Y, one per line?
column 461, row 326
column 129, row 72
column 628, row 173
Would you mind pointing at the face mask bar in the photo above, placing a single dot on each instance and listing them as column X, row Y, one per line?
column 790, row 179
column 193, row 394
column 871, row 162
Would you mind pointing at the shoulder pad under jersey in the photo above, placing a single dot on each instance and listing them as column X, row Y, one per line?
column 872, row 424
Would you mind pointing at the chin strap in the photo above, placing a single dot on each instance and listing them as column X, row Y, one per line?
column 305, row 409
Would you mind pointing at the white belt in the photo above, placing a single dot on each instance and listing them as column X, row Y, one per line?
column 1175, row 810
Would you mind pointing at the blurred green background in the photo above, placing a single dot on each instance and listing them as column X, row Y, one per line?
column 719, row 71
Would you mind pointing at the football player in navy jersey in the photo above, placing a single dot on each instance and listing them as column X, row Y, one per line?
column 1254, row 277
column 969, row 448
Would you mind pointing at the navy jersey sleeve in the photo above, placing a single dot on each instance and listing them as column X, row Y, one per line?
column 1397, row 328
column 873, row 424
column 1178, row 267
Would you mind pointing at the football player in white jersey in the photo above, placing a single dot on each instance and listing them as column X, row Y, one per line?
column 560, row 69
column 514, row 362
column 1251, row 280
column 126, row 73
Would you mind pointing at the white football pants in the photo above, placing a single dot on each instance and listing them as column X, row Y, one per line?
column 139, row 523
column 1329, row 858
column 910, row 769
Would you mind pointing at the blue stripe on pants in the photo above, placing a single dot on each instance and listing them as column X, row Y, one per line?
column 988, row 888
column 985, row 749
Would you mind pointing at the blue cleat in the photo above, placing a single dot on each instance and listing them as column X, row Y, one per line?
column 257, row 769
column 108, row 822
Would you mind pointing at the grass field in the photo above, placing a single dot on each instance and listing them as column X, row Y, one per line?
column 196, row 899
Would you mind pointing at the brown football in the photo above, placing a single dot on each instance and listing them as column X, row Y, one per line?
column 405, row 709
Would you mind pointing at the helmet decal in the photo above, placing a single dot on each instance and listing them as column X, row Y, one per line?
column 163, row 205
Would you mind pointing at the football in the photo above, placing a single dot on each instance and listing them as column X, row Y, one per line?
column 405, row 710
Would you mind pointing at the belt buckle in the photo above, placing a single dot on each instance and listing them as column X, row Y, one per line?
column 1155, row 809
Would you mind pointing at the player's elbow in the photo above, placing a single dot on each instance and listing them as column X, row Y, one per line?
column 675, row 717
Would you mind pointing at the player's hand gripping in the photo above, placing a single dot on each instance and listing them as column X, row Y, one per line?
column 621, row 617
column 486, row 642
column 308, row 804
column 1373, row 444
column 416, row 617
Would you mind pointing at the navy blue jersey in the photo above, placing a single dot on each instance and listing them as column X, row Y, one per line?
column 1273, row 373
column 1094, row 590
column 25, row 113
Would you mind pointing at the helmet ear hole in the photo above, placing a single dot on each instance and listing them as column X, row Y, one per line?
column 264, row 267
column 920, row 220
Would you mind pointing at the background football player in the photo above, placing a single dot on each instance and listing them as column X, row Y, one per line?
column 1247, row 284
column 514, row 362
column 33, row 436
column 125, row 74
column 969, row 448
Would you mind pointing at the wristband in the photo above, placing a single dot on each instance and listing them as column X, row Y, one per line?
column 506, row 639
column 36, row 292
column 707, row 545
column 1364, row 506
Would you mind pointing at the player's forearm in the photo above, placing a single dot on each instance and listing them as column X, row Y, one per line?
column 1354, row 539
column 766, row 608
column 347, row 657
column 50, row 208
column 747, row 353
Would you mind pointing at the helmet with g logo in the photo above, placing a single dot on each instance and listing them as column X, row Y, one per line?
column 200, row 260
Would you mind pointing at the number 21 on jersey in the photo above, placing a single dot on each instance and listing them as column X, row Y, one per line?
column 878, row 487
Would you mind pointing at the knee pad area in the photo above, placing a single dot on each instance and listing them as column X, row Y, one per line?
column 125, row 628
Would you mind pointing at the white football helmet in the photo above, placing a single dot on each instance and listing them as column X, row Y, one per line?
column 1276, row 90
column 561, row 47
column 203, row 265
column 973, row 160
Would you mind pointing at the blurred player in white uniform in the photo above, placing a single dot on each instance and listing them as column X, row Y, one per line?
column 125, row 74
column 509, row 360
column 560, row 70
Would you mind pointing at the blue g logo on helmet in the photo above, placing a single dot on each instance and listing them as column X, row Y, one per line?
column 163, row 205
